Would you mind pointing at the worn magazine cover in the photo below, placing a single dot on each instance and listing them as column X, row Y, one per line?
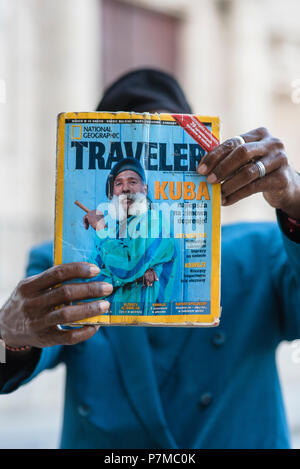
column 129, row 199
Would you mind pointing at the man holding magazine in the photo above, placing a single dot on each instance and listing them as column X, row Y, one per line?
column 136, row 387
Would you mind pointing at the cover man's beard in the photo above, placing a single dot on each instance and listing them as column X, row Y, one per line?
column 138, row 206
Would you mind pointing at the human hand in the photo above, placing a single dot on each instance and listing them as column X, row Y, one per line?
column 29, row 318
column 150, row 277
column 233, row 165
column 95, row 218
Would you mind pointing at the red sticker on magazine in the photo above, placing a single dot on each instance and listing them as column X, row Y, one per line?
column 197, row 130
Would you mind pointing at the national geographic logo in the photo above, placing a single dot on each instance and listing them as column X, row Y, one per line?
column 76, row 132
column 2, row 352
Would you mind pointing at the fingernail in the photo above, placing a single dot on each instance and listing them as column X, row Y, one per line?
column 106, row 289
column 202, row 169
column 94, row 270
column 104, row 305
column 212, row 178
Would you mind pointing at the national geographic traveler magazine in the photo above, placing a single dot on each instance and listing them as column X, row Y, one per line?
column 129, row 200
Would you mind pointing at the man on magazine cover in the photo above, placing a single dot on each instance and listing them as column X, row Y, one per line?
column 133, row 254
column 164, row 387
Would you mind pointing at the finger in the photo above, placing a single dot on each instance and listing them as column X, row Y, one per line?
column 59, row 274
column 242, row 155
column 256, row 134
column 156, row 277
column 70, row 314
column 249, row 173
column 211, row 159
column 74, row 336
column 236, row 159
column 65, row 294
column 265, row 184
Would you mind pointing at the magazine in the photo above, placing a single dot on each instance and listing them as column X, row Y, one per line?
column 129, row 199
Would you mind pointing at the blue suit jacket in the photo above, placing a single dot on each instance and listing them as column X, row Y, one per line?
column 136, row 387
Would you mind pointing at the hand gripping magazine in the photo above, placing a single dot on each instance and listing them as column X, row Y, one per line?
column 129, row 199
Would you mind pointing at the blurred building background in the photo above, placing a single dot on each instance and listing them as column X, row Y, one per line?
column 238, row 59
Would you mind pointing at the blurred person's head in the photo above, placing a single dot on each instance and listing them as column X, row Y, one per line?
column 145, row 90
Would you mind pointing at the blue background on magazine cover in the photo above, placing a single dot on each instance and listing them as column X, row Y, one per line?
column 88, row 186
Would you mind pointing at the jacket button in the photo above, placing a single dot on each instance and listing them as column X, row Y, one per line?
column 205, row 399
column 84, row 410
column 218, row 339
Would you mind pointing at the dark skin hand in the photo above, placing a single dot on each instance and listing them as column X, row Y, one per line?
column 231, row 164
column 29, row 318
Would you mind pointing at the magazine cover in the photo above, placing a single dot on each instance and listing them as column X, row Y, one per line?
column 129, row 199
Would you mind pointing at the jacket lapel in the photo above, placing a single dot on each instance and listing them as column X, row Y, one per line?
column 133, row 354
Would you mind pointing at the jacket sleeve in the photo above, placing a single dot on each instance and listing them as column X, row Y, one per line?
column 285, row 269
column 20, row 370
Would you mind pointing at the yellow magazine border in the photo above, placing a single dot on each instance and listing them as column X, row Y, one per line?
column 198, row 319
column 59, row 191
column 216, row 230
column 178, row 319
